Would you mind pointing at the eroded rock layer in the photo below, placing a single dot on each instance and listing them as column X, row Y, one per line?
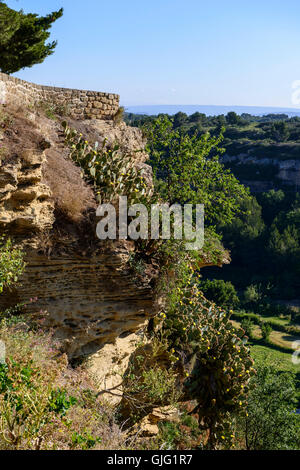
column 25, row 202
column 90, row 301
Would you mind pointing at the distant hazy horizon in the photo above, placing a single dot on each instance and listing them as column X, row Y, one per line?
column 210, row 110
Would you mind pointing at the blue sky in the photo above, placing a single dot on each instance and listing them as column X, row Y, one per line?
column 218, row 52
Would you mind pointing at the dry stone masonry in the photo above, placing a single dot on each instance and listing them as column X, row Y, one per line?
column 81, row 104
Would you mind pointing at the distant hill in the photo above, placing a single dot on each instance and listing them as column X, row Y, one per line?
column 210, row 110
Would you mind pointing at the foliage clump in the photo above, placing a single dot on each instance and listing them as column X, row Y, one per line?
column 112, row 172
column 23, row 38
column 149, row 381
column 211, row 355
column 187, row 170
column 46, row 405
column 11, row 263
column 221, row 292
column 270, row 422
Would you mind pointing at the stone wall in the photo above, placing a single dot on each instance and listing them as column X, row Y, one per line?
column 81, row 104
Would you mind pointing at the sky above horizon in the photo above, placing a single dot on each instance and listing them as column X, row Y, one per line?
column 174, row 51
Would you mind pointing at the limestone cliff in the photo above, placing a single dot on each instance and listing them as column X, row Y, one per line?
column 284, row 171
column 85, row 285
column 86, row 289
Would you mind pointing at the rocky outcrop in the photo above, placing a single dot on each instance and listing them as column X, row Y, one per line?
column 286, row 171
column 25, row 202
column 91, row 295
column 85, row 288
column 90, row 300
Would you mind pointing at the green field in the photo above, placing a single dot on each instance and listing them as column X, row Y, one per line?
column 277, row 352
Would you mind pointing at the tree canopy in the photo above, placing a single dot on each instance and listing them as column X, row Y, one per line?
column 187, row 170
column 23, row 38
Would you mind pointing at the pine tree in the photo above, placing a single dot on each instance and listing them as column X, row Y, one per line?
column 23, row 38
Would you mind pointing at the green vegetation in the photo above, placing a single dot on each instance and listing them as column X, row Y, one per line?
column 271, row 422
column 215, row 358
column 263, row 237
column 23, row 38
column 203, row 347
column 109, row 170
column 185, row 172
column 270, row 136
column 11, row 263
column 36, row 411
column 194, row 355
column 219, row 291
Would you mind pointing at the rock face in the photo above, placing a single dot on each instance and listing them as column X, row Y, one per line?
column 108, row 365
column 287, row 171
column 91, row 295
column 90, row 301
column 25, row 202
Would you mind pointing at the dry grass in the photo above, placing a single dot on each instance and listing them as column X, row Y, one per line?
column 23, row 132
column 17, row 132
column 72, row 196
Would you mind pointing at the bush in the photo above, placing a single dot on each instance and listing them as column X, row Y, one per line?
column 248, row 326
column 111, row 171
column 252, row 294
column 221, row 292
column 119, row 116
column 266, row 330
column 11, row 263
column 205, row 349
column 149, row 381
column 271, row 422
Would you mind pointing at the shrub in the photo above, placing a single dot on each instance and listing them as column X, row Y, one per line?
column 149, row 381
column 252, row 294
column 208, row 352
column 52, row 109
column 248, row 326
column 270, row 422
column 184, row 434
column 266, row 330
column 119, row 116
column 219, row 291
column 11, row 263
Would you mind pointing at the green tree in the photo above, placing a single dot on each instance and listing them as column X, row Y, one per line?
column 179, row 119
column 279, row 131
column 272, row 202
column 271, row 423
column 253, row 294
column 23, row 38
column 198, row 118
column 232, row 118
column 248, row 326
column 189, row 171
